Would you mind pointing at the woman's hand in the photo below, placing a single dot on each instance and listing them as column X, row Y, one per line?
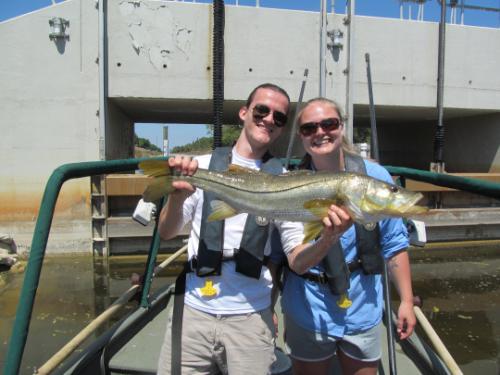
column 336, row 223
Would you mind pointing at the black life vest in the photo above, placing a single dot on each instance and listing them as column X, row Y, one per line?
column 249, row 257
column 367, row 244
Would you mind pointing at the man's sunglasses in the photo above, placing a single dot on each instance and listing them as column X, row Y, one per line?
column 328, row 124
column 259, row 111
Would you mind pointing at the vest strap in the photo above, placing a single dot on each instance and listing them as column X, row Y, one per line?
column 249, row 257
column 367, row 243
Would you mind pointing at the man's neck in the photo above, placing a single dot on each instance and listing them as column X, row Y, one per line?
column 246, row 150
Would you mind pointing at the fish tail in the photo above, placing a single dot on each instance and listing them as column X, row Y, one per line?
column 163, row 178
column 155, row 168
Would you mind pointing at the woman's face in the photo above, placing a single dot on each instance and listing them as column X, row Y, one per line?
column 320, row 129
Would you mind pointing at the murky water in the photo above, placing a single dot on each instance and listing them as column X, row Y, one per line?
column 460, row 288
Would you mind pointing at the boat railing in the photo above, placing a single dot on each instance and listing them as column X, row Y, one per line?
column 104, row 317
column 86, row 169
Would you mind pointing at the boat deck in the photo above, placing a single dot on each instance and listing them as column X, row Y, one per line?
column 140, row 354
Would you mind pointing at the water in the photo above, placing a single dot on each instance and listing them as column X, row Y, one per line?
column 460, row 288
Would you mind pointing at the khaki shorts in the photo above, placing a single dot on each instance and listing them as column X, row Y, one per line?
column 231, row 344
column 310, row 346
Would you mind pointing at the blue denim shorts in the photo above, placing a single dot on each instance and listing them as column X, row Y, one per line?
column 310, row 346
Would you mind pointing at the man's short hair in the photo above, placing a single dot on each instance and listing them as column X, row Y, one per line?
column 270, row 86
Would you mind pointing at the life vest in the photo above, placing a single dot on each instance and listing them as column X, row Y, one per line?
column 249, row 257
column 367, row 243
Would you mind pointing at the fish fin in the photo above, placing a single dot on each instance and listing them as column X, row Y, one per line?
column 155, row 168
column 220, row 211
column 159, row 187
column 355, row 211
column 312, row 230
column 238, row 169
column 319, row 207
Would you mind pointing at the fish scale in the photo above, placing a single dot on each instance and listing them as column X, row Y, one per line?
column 296, row 196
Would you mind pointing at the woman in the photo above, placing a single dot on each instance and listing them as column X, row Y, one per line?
column 333, row 296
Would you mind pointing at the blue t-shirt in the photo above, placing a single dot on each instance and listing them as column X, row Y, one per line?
column 312, row 306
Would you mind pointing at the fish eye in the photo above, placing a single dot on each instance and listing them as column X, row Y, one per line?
column 394, row 189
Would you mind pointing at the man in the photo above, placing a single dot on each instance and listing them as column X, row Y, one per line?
column 227, row 323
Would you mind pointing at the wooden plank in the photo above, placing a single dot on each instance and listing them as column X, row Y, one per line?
column 126, row 184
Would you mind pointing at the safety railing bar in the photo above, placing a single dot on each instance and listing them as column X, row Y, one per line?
column 471, row 185
column 39, row 244
column 106, row 315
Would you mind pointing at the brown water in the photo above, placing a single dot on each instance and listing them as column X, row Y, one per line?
column 460, row 288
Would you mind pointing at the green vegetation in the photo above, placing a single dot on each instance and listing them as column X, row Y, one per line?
column 204, row 144
column 145, row 143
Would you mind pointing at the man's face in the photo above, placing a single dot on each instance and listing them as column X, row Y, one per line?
column 265, row 117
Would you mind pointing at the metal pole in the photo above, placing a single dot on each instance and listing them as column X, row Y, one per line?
column 349, row 108
column 322, row 50
column 293, row 130
column 385, row 278
column 439, row 135
column 373, row 123
column 103, row 78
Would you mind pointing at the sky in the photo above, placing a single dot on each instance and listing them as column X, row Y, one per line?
column 379, row 8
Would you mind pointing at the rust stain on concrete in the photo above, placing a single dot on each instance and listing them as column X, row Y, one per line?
column 73, row 202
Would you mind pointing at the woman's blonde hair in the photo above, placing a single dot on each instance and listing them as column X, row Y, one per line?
column 346, row 145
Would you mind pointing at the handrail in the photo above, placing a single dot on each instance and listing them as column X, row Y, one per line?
column 85, row 169
column 72, row 345
column 39, row 244
column 471, row 185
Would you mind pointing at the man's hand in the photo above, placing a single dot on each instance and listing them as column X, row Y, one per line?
column 186, row 166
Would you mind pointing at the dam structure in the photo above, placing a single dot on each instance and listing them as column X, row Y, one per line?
column 76, row 76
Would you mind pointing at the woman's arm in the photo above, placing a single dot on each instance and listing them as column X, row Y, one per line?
column 305, row 256
column 400, row 273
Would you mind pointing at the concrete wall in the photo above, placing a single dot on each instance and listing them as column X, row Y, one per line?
column 48, row 115
column 160, row 69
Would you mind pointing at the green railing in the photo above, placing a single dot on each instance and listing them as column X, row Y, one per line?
column 86, row 169
column 39, row 243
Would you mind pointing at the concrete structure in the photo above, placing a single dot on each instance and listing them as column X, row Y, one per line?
column 159, row 69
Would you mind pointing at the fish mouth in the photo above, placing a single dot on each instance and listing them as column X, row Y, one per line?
column 411, row 205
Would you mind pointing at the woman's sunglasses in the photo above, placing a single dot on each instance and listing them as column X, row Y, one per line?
column 259, row 111
column 328, row 124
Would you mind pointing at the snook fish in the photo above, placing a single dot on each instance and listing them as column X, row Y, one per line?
column 295, row 196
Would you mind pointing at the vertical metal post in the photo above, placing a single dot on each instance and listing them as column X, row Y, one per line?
column 439, row 135
column 349, row 70
column 373, row 124
column 385, row 275
column 322, row 50
column 150, row 264
column 103, row 78
column 293, row 129
column 165, row 141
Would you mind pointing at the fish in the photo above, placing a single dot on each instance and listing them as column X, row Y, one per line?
column 302, row 195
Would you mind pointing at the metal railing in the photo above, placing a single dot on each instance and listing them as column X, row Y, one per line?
column 85, row 169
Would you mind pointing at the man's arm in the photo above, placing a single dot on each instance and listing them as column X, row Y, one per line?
column 305, row 256
column 399, row 271
column 170, row 220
